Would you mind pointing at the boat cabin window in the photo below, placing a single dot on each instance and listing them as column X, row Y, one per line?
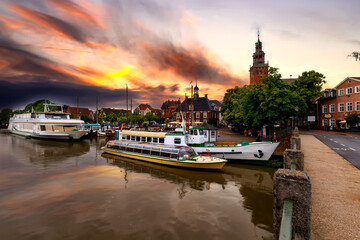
column 155, row 140
column 132, row 138
column 143, row 139
column 195, row 132
column 186, row 153
column 129, row 149
column 138, row 139
column 128, row 137
column 177, row 140
column 123, row 137
column 161, row 140
column 201, row 132
column 42, row 128
column 191, row 132
column 148, row 139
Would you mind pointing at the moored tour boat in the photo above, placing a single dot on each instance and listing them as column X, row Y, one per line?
column 253, row 151
column 47, row 125
column 177, row 156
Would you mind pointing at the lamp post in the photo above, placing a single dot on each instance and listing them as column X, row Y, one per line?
column 296, row 110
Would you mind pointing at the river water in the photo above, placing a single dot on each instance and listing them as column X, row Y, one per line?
column 70, row 190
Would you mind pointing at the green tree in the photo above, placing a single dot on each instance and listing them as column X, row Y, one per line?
column 258, row 104
column 38, row 106
column 112, row 118
column 352, row 119
column 86, row 119
column 5, row 115
column 308, row 86
column 149, row 116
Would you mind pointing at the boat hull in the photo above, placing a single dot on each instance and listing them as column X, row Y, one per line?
column 259, row 151
column 67, row 135
column 164, row 161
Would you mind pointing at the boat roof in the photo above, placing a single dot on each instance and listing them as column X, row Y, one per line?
column 144, row 134
column 149, row 145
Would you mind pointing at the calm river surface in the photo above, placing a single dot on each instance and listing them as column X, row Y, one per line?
column 70, row 190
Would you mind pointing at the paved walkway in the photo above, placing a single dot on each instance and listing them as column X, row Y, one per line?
column 335, row 192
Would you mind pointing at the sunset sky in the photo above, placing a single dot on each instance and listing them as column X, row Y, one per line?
column 61, row 49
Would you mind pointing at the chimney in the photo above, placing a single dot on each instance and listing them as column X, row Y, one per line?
column 206, row 96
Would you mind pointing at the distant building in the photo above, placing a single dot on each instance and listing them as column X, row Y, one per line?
column 167, row 110
column 338, row 102
column 77, row 112
column 146, row 108
column 259, row 68
column 202, row 109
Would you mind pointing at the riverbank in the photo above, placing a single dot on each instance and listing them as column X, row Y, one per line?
column 335, row 192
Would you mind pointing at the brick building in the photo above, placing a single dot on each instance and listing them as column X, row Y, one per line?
column 259, row 68
column 167, row 110
column 339, row 102
column 78, row 111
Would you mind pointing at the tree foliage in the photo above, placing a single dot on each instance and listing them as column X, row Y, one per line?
column 5, row 115
column 355, row 55
column 272, row 101
column 352, row 119
column 38, row 106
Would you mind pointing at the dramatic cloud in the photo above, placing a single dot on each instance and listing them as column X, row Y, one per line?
column 65, row 49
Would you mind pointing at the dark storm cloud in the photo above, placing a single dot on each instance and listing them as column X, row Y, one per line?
column 17, row 94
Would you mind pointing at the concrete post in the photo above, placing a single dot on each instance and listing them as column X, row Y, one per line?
column 294, row 185
column 295, row 143
column 293, row 156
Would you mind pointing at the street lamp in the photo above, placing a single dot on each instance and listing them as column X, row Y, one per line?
column 296, row 110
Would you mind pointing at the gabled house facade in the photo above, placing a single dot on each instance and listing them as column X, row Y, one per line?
column 338, row 102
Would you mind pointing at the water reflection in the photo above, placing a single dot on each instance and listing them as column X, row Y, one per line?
column 254, row 183
column 46, row 153
column 185, row 178
column 61, row 190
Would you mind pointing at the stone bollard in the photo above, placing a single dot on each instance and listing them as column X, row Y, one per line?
column 293, row 156
column 294, row 185
column 295, row 143
column 296, row 132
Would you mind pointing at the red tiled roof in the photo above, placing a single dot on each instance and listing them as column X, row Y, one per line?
column 143, row 107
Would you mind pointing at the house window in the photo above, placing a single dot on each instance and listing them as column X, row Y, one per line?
column 357, row 89
column 212, row 134
column 197, row 115
column 332, row 123
column 349, row 90
column 357, row 106
column 324, row 122
column 341, row 107
column 349, row 107
column 324, row 108
column 205, row 115
column 341, row 92
column 332, row 108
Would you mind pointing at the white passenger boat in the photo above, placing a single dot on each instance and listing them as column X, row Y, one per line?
column 48, row 125
column 177, row 156
column 195, row 138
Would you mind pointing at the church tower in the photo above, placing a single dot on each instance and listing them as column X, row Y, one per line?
column 259, row 69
